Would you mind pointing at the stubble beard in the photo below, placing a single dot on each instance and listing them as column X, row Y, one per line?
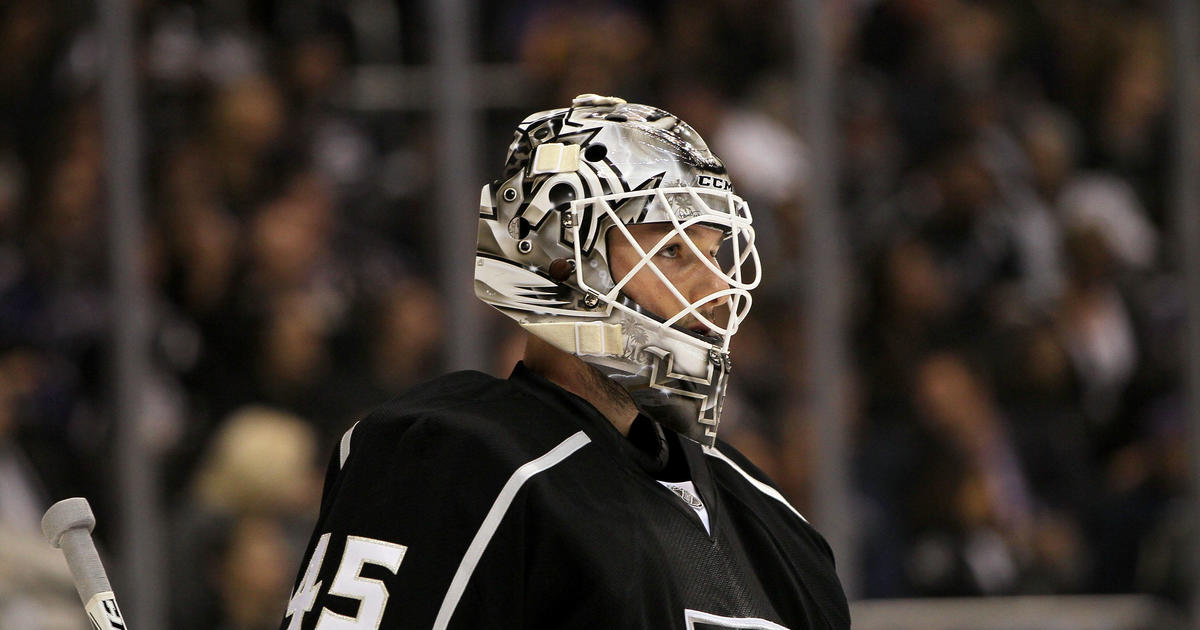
column 613, row 393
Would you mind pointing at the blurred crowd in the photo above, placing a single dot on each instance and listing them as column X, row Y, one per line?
column 1016, row 404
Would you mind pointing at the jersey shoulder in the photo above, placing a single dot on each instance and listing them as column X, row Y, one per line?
column 445, row 447
column 456, row 393
column 468, row 415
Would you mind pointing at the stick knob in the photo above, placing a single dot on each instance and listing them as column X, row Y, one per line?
column 68, row 525
column 64, row 516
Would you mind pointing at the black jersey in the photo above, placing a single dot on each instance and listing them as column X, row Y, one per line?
column 476, row 502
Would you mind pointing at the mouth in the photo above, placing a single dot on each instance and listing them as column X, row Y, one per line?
column 694, row 325
column 704, row 332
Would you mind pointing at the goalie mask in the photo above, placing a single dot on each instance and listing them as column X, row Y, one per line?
column 576, row 180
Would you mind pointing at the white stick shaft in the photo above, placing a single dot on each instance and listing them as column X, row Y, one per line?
column 90, row 580
column 80, row 551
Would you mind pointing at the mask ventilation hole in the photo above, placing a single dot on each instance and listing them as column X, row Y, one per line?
column 561, row 195
column 595, row 152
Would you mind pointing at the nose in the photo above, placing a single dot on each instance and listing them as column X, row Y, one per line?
column 705, row 284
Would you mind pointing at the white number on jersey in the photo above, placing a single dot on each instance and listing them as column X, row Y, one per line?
column 348, row 582
column 306, row 593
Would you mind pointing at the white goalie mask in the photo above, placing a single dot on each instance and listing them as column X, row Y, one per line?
column 575, row 180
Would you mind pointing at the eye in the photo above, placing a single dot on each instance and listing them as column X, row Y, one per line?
column 669, row 251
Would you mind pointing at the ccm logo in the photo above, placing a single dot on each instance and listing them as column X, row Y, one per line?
column 714, row 182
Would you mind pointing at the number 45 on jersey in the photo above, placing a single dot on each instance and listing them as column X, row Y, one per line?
column 348, row 582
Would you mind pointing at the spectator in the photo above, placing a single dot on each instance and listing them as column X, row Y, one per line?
column 242, row 529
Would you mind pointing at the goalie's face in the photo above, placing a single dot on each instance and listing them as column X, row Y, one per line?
column 700, row 297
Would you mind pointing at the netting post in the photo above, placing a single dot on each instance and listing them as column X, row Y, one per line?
column 456, row 151
column 1184, row 18
column 141, row 569
column 825, row 291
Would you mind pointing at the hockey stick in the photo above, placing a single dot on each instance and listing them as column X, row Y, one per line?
column 68, row 525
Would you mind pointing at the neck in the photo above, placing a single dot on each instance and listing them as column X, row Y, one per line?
column 572, row 374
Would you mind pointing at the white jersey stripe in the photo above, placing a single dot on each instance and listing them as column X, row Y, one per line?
column 492, row 521
column 691, row 617
column 344, row 450
column 762, row 487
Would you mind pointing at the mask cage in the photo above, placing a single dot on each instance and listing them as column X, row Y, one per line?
column 723, row 210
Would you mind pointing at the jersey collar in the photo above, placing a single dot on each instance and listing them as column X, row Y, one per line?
column 646, row 446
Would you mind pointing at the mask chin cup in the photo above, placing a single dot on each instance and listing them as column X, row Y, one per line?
column 689, row 406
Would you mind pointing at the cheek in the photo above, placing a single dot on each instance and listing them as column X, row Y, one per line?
column 621, row 256
column 619, row 264
column 651, row 293
column 643, row 285
column 624, row 259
